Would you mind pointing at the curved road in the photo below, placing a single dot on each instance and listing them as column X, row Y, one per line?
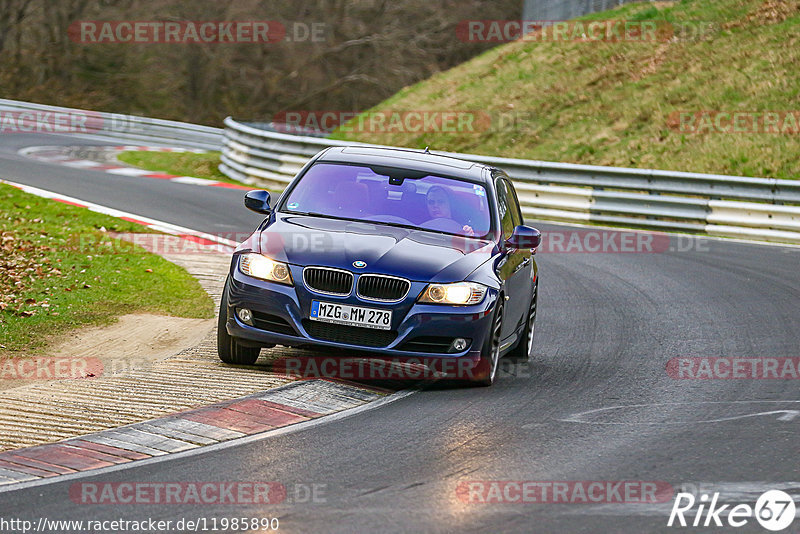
column 608, row 325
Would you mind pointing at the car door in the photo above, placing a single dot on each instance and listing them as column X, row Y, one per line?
column 525, row 256
column 515, row 265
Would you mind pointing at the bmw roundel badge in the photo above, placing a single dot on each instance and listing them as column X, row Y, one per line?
column 358, row 264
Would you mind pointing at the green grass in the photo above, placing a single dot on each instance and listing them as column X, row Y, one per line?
column 615, row 103
column 60, row 269
column 184, row 164
column 179, row 163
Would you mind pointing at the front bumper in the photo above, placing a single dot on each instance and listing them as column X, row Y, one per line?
column 286, row 309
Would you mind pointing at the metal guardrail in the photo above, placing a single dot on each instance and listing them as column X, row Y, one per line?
column 732, row 206
column 27, row 117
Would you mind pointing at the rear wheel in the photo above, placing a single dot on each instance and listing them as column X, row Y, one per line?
column 228, row 349
column 485, row 371
column 522, row 352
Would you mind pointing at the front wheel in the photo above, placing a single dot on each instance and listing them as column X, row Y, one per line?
column 522, row 352
column 228, row 349
column 485, row 371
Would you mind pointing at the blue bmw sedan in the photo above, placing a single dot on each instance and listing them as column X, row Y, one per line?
column 402, row 254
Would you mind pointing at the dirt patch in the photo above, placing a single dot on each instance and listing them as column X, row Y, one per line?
column 134, row 342
column 652, row 63
column 769, row 12
column 774, row 11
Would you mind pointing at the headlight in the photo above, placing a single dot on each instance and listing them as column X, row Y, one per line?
column 460, row 293
column 259, row 266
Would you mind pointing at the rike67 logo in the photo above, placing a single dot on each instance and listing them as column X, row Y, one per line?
column 774, row 510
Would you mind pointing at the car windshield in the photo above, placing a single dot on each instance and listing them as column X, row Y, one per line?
column 392, row 196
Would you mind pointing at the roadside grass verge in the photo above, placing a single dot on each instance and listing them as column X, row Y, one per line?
column 178, row 163
column 184, row 164
column 620, row 103
column 60, row 270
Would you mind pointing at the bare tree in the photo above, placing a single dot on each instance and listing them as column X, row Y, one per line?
column 371, row 49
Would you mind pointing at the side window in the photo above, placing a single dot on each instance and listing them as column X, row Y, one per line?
column 513, row 204
column 505, row 207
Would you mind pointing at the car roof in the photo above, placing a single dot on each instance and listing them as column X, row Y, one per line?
column 406, row 158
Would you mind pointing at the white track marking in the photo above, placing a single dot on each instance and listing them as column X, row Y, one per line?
column 581, row 417
column 155, row 224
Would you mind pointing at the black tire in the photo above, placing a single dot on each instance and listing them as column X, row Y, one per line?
column 228, row 349
column 485, row 371
column 522, row 352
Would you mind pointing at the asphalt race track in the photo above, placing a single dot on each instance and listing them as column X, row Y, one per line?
column 608, row 324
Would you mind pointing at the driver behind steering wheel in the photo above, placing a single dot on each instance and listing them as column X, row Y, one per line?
column 439, row 207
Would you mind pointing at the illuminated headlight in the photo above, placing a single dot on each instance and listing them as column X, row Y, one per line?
column 460, row 293
column 259, row 266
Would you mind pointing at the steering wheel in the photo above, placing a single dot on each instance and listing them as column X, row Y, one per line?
column 443, row 224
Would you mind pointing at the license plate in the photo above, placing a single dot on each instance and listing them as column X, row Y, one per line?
column 329, row 312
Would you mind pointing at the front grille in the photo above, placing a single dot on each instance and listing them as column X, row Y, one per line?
column 273, row 323
column 383, row 288
column 431, row 344
column 329, row 281
column 352, row 335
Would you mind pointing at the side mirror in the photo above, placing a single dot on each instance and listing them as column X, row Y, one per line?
column 524, row 237
column 257, row 201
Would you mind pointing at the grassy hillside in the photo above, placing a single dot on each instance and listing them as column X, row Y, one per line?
column 619, row 103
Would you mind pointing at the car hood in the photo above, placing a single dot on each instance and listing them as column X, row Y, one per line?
column 414, row 254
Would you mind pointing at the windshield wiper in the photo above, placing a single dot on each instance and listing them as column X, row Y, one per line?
column 322, row 215
column 397, row 225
